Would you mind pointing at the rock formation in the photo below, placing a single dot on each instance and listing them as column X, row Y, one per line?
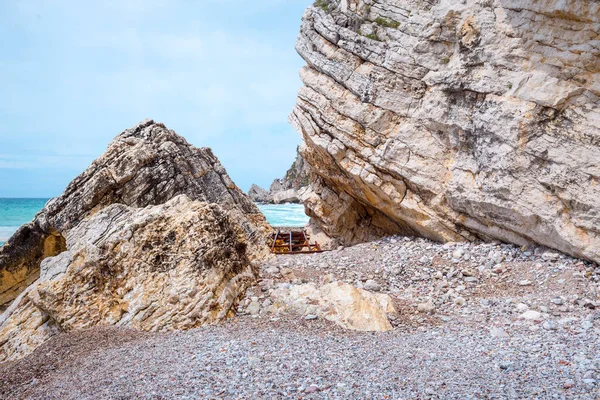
column 286, row 190
column 343, row 304
column 145, row 165
column 172, row 266
column 153, row 235
column 258, row 194
column 453, row 120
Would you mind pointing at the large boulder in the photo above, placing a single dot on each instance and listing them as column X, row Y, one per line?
column 173, row 266
column 343, row 304
column 453, row 120
column 145, row 165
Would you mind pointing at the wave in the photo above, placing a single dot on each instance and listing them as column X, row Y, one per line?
column 284, row 214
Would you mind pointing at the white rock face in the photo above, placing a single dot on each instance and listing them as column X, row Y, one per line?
column 453, row 120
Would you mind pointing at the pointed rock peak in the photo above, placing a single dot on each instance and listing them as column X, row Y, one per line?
column 143, row 166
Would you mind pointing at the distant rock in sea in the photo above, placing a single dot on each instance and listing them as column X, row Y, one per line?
column 152, row 221
column 285, row 190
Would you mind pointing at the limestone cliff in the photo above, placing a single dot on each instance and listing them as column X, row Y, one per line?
column 145, row 165
column 453, row 120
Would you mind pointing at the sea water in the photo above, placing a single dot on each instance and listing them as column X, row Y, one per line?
column 291, row 215
column 16, row 212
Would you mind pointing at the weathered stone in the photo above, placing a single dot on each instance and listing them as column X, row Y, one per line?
column 531, row 315
column 343, row 304
column 428, row 307
column 145, row 165
column 258, row 194
column 173, row 266
column 462, row 121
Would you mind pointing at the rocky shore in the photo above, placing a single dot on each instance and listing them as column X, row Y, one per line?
column 450, row 161
column 471, row 321
column 285, row 190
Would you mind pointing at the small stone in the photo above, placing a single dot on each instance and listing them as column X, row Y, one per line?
column 253, row 308
column 372, row 286
column 550, row 256
column 470, row 279
column 273, row 270
column 525, row 282
column 549, row 325
column 498, row 269
column 328, row 279
column 531, row 315
column 498, row 332
column 460, row 301
column 521, row 307
column 558, row 301
column 311, row 317
column 506, row 365
column 424, row 260
column 587, row 324
column 311, row 389
column 569, row 384
column 428, row 307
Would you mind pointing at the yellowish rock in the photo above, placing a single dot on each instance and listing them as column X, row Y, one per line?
column 343, row 304
column 175, row 266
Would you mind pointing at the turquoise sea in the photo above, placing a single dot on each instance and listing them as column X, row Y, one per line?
column 16, row 212
column 284, row 214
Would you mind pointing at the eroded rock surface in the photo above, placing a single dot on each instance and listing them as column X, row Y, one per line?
column 145, row 165
column 258, row 194
column 453, row 120
column 347, row 306
column 173, row 266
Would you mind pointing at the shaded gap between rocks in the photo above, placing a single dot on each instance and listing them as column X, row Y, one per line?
column 21, row 258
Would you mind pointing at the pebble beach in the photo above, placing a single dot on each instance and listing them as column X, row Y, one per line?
column 474, row 321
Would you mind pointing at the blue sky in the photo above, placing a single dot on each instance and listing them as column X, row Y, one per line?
column 222, row 73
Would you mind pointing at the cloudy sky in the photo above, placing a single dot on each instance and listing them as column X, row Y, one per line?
column 222, row 73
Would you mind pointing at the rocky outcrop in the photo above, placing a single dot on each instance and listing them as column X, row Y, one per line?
column 453, row 120
column 286, row 190
column 145, row 165
column 258, row 194
column 172, row 266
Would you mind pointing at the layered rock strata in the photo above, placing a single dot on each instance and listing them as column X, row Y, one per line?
column 145, row 165
column 172, row 266
column 453, row 120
